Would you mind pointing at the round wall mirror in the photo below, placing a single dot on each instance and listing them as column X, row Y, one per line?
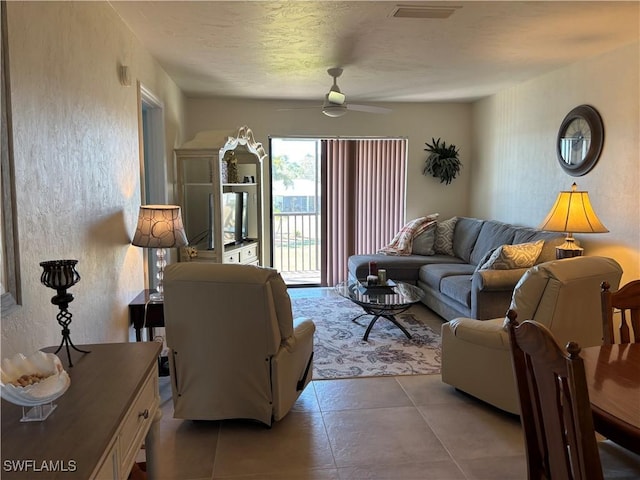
column 580, row 140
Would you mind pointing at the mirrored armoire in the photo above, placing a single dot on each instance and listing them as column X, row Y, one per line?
column 219, row 187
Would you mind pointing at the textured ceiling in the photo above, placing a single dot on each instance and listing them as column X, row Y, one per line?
column 282, row 49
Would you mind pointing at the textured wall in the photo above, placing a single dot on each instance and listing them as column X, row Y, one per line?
column 514, row 140
column 76, row 156
column 417, row 122
column 77, row 169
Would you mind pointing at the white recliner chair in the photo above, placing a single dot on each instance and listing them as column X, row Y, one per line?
column 235, row 349
column 563, row 295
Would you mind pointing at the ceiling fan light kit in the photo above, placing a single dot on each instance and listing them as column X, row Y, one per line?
column 336, row 97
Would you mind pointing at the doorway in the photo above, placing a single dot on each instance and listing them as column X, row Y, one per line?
column 332, row 198
column 295, row 209
column 153, row 169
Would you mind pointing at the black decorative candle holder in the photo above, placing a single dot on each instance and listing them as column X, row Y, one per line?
column 62, row 275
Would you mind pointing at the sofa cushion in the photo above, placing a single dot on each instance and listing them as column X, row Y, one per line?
column 551, row 241
column 444, row 236
column 432, row 274
column 509, row 257
column 465, row 236
column 403, row 268
column 423, row 244
column 492, row 235
column 457, row 287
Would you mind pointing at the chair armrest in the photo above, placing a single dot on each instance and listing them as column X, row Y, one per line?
column 303, row 329
column 487, row 280
column 489, row 333
column 291, row 366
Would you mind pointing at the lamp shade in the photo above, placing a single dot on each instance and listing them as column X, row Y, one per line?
column 573, row 213
column 160, row 226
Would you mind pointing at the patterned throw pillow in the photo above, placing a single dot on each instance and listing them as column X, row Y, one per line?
column 444, row 237
column 508, row 257
column 423, row 243
column 402, row 243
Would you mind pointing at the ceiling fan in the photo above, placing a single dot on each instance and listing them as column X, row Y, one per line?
column 335, row 104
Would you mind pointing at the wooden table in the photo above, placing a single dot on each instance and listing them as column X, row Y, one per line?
column 144, row 313
column 99, row 424
column 613, row 379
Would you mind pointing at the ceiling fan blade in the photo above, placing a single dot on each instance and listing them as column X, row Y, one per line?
column 313, row 107
column 367, row 108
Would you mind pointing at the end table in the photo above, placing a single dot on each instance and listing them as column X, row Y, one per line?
column 143, row 313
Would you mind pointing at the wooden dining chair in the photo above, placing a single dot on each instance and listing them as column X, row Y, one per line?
column 554, row 404
column 627, row 300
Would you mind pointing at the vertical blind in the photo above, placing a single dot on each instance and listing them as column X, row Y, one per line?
column 363, row 199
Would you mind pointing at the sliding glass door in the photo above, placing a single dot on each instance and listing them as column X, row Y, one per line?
column 295, row 207
column 331, row 198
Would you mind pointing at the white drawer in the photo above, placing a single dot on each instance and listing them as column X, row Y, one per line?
column 248, row 254
column 231, row 257
column 138, row 420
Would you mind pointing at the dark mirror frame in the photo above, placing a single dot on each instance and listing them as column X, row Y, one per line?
column 592, row 117
column 11, row 296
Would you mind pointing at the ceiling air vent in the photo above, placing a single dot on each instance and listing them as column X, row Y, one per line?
column 424, row 11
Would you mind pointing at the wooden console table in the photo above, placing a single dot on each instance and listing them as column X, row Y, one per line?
column 99, row 424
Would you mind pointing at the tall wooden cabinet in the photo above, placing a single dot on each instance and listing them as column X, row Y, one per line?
column 222, row 216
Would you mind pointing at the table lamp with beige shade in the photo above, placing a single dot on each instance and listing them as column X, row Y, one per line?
column 572, row 213
column 160, row 227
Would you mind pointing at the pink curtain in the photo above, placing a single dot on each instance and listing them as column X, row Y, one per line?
column 363, row 199
column 380, row 189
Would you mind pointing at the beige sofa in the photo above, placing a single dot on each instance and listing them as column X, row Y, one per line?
column 564, row 295
column 235, row 350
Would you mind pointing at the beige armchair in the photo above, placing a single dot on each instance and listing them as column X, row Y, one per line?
column 563, row 295
column 235, row 349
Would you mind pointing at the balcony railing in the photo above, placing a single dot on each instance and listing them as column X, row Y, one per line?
column 296, row 246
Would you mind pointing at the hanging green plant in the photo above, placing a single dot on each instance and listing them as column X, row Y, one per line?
column 442, row 162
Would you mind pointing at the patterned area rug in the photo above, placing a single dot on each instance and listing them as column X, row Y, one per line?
column 340, row 351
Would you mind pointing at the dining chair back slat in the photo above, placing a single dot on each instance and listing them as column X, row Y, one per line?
column 627, row 301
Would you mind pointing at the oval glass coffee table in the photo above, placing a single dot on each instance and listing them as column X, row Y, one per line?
column 385, row 302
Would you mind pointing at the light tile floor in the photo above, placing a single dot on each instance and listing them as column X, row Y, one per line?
column 383, row 428
column 409, row 427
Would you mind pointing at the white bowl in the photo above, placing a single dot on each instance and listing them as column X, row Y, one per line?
column 57, row 380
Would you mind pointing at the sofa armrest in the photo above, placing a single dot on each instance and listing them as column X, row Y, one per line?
column 496, row 280
column 491, row 292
